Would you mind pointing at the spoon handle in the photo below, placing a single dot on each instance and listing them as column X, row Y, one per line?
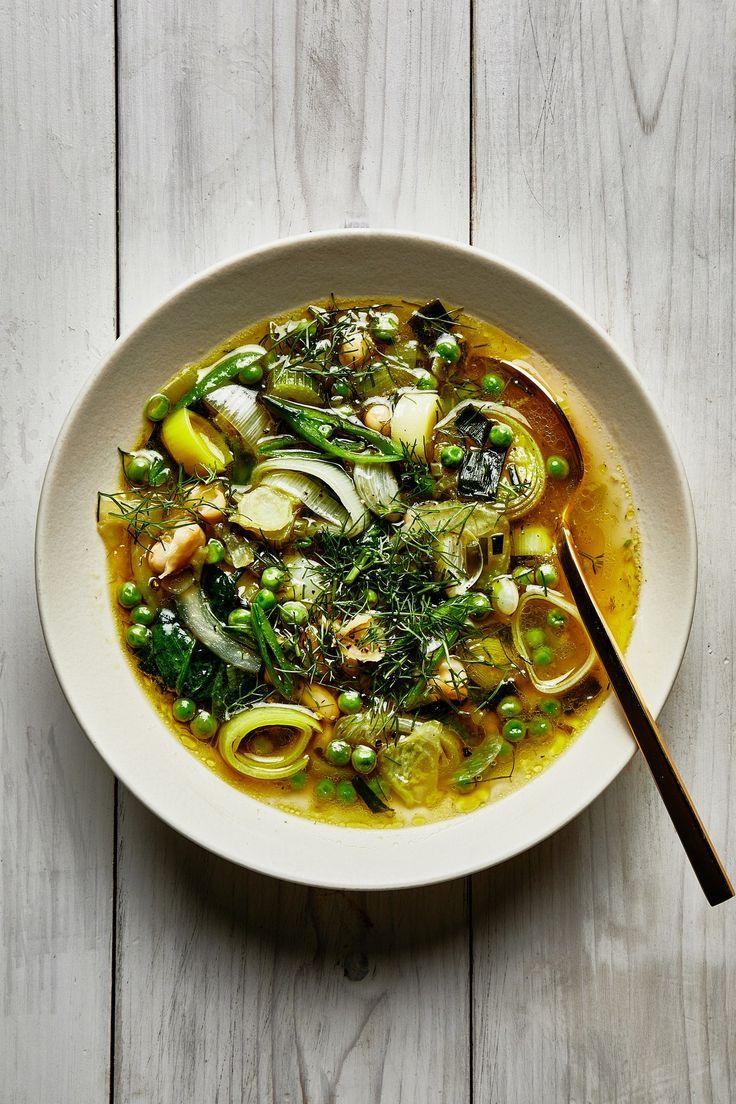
column 688, row 825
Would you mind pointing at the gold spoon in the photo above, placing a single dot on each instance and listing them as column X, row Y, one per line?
column 688, row 825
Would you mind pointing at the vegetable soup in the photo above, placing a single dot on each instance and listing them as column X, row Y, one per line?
column 333, row 560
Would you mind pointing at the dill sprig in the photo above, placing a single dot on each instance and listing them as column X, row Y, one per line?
column 158, row 510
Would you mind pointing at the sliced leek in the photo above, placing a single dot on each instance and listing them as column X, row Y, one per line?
column 281, row 764
column 195, row 443
column 567, row 679
column 268, row 512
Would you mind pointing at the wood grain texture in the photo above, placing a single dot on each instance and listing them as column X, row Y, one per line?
column 603, row 154
column 57, row 316
column 240, row 123
column 604, row 161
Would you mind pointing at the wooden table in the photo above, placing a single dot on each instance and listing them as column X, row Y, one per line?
column 593, row 143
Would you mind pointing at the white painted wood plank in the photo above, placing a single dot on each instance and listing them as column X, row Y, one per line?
column 241, row 123
column 57, row 316
column 605, row 163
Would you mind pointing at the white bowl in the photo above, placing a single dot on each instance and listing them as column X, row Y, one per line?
column 71, row 573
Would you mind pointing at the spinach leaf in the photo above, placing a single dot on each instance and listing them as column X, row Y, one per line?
column 233, row 690
column 182, row 664
column 221, row 592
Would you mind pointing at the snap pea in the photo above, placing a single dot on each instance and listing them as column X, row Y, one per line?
column 317, row 426
column 271, row 651
column 221, row 373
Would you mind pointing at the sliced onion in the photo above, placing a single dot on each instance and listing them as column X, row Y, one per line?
column 377, row 488
column 283, row 764
column 311, row 492
column 201, row 622
column 237, row 410
column 562, row 682
column 338, row 481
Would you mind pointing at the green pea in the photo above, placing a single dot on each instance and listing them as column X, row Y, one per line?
column 338, row 753
column 157, row 407
column 215, row 551
column 556, row 619
column 363, row 759
column 492, row 384
column 204, row 725
column 501, row 435
column 479, row 606
column 549, row 706
column 138, row 636
column 294, row 613
column 505, row 750
column 542, row 657
column 370, row 597
column 137, row 469
column 514, row 731
column 523, row 576
column 129, row 595
column 239, row 619
column 535, row 637
column 325, row 789
column 183, row 710
column 265, row 599
column 509, row 707
column 272, row 578
column 451, row 456
column 341, row 389
column 385, row 327
column 546, row 575
column 303, row 542
column 446, row 347
column 346, row 792
column 349, row 702
column 143, row 615
column 251, row 375
column 325, row 429
column 298, row 781
column 539, row 726
column 558, row 467
column 426, row 382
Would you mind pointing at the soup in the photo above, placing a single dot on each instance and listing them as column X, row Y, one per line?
column 334, row 567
